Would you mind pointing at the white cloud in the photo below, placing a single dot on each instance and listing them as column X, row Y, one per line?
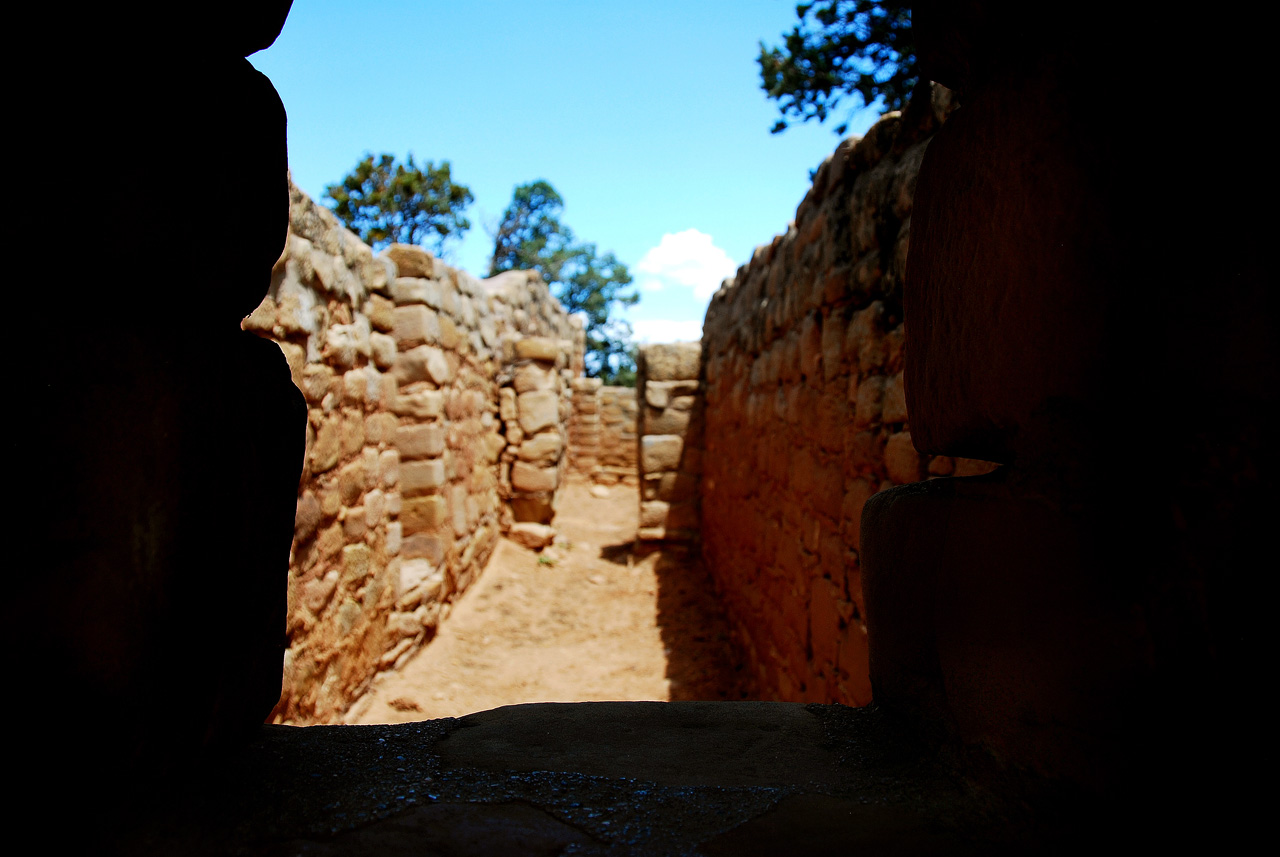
column 666, row 330
column 690, row 259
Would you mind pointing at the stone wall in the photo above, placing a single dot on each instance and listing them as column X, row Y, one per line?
column 602, row 433
column 670, row 429
column 806, row 415
column 405, row 487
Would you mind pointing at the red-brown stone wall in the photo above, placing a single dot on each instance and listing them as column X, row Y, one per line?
column 806, row 416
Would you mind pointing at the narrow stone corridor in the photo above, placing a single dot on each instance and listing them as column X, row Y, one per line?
column 589, row 619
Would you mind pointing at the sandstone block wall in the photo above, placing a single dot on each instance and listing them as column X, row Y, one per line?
column 602, row 432
column 403, row 495
column 806, row 415
column 670, row 424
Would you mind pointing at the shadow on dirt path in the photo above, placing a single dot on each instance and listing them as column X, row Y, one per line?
column 591, row 619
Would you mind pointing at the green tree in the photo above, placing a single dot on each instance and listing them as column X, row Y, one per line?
column 531, row 237
column 840, row 48
column 385, row 202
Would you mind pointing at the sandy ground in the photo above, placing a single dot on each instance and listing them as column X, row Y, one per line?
column 591, row 619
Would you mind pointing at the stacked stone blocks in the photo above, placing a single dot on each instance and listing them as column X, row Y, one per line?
column 603, row 433
column 400, row 359
column 807, row 418
column 670, row 417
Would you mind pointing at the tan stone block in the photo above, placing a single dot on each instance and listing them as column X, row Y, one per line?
column 530, row 535
column 669, row 421
column 538, row 410
column 531, row 376
column 384, row 350
column 353, row 525
column 380, row 428
column 355, row 385
column 425, row 440
column 653, row 513
column 416, row 290
column 262, row 319
column 328, row 446
column 450, row 338
column 351, row 482
column 415, row 325
column 352, row 432
column 381, row 312
column 422, row 477
column 543, row 449
column 423, row 363
column 388, row 467
column 660, row 452
column 901, row 459
column 317, row 380
column 537, row 348
column 411, row 260
column 419, row 404
column 458, row 506
column 528, row 477
column 493, row 444
column 671, row 362
column 423, row 514
column 330, row 502
column 330, row 540
column 507, row 410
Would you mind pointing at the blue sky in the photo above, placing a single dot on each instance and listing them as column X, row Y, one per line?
column 648, row 118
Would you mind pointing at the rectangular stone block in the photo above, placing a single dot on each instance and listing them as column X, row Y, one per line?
column 420, row 441
column 537, row 348
column 422, row 477
column 538, row 410
column 531, row 376
column 528, row 477
column 423, row 514
column 678, row 361
column 416, row 290
column 423, row 363
column 419, row 404
column 668, row 421
column 660, row 452
column 542, row 449
column 653, row 513
column 423, row 546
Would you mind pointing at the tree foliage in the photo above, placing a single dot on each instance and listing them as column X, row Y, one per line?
column 840, row 48
column 385, row 202
column 531, row 237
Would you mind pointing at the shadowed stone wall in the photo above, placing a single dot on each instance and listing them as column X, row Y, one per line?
column 411, row 472
column 806, row 414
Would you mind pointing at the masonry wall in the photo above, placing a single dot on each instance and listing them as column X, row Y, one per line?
column 806, row 416
column 602, row 433
column 407, row 481
column 670, row 427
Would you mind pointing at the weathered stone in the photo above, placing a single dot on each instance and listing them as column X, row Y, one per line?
column 356, row 564
column 527, row 477
column 507, row 410
column 351, row 482
column 411, row 260
column 869, row 404
column 414, row 573
column 353, row 525
column 383, row 348
column 535, row 509
column 532, row 536
column 317, row 379
column 537, row 348
column 675, row 362
column 307, row 517
column 419, row 404
column 530, row 376
column 420, row 441
column 669, row 421
column 423, row 514
column 422, row 477
column 660, row 452
column 423, row 363
column 659, row 393
column 328, row 445
column 381, row 312
column 415, row 325
column 544, row 448
column 538, row 410
column 317, row 591
column 388, row 467
column 653, row 513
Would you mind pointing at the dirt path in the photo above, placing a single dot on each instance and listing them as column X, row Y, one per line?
column 599, row 622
